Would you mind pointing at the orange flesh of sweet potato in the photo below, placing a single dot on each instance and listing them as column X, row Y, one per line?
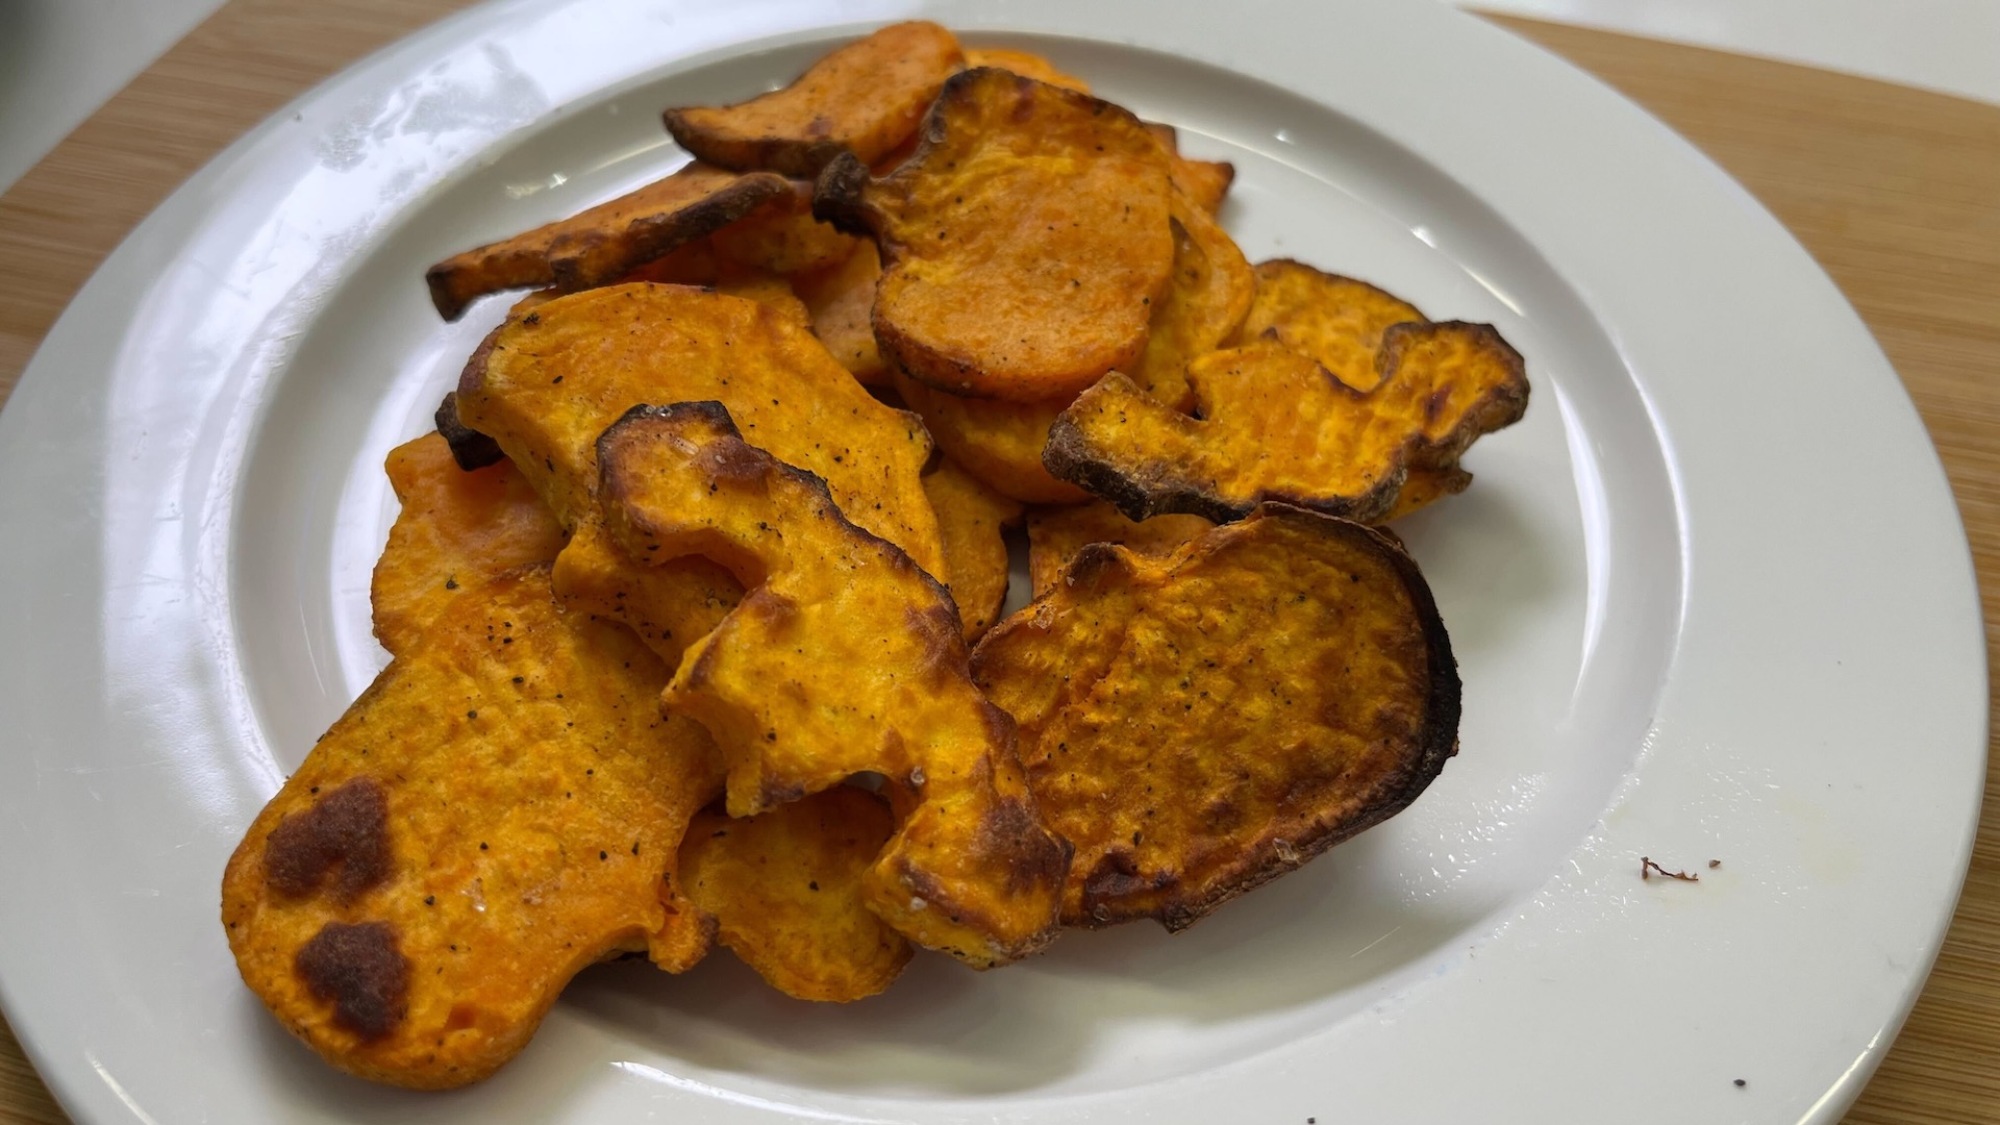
column 1335, row 320
column 841, row 302
column 782, row 237
column 1205, row 182
column 455, row 530
column 602, row 244
column 785, row 888
column 865, row 98
column 1057, row 535
column 1274, row 425
column 999, row 443
column 1181, row 777
column 501, row 808
column 1023, row 244
column 844, row 657
column 1203, row 305
column 1027, row 64
column 971, row 518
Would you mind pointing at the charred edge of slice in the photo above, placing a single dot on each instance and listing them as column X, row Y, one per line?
column 652, row 236
column 837, row 196
column 470, row 448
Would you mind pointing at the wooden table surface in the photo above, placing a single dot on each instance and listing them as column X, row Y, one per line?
column 1895, row 191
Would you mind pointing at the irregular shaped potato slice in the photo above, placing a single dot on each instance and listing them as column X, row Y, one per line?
column 999, row 443
column 601, row 245
column 456, row 530
column 501, row 808
column 1027, row 64
column 1274, row 425
column 865, row 98
column 1023, row 244
column 1336, row 320
column 972, row 518
column 545, row 385
column 1057, row 535
column 841, row 302
column 1205, row 182
column 782, row 237
column 785, row 888
column 844, row 657
column 1181, row 780
column 1203, row 305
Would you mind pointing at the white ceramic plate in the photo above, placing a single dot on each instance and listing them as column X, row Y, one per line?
column 1711, row 600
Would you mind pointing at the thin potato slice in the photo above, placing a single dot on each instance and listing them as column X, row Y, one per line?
column 841, row 302
column 785, row 889
column 865, row 98
column 1181, row 780
column 782, row 237
column 1336, row 320
column 1023, row 244
column 1206, row 182
column 456, row 530
column 1274, row 425
column 601, row 245
column 501, row 808
column 1057, row 535
column 1027, row 64
column 972, row 518
column 999, row 443
column 1203, row 305
column 844, row 657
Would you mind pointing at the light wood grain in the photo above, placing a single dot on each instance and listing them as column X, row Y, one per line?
column 1895, row 191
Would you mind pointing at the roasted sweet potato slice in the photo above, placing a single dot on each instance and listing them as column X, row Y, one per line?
column 785, row 888
column 456, row 530
column 1336, row 320
column 1224, row 714
column 1023, row 244
column 1206, row 182
column 1203, row 305
column 841, row 302
column 999, row 443
column 844, row 657
column 501, row 808
column 972, row 518
column 1057, row 535
column 1027, row 64
column 603, row 244
column 783, row 237
column 1274, row 425
column 865, row 98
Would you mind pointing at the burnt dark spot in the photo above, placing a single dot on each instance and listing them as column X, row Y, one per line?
column 1434, row 403
column 361, row 972
column 732, row 463
column 347, row 828
column 1034, row 857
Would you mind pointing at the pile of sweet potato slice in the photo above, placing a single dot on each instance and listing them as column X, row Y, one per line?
column 695, row 602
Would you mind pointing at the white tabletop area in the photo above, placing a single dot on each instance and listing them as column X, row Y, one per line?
column 61, row 59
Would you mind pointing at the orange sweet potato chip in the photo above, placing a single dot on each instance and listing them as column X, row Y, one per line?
column 456, row 530
column 603, row 244
column 1057, row 535
column 865, row 98
column 971, row 518
column 1023, row 244
column 1274, row 425
column 782, row 237
column 999, row 443
column 1336, row 320
column 1182, row 779
column 501, row 808
column 1203, row 305
column 1205, row 182
column 1027, row 64
column 841, row 302
column 547, row 383
column 785, row 888
column 844, row 657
